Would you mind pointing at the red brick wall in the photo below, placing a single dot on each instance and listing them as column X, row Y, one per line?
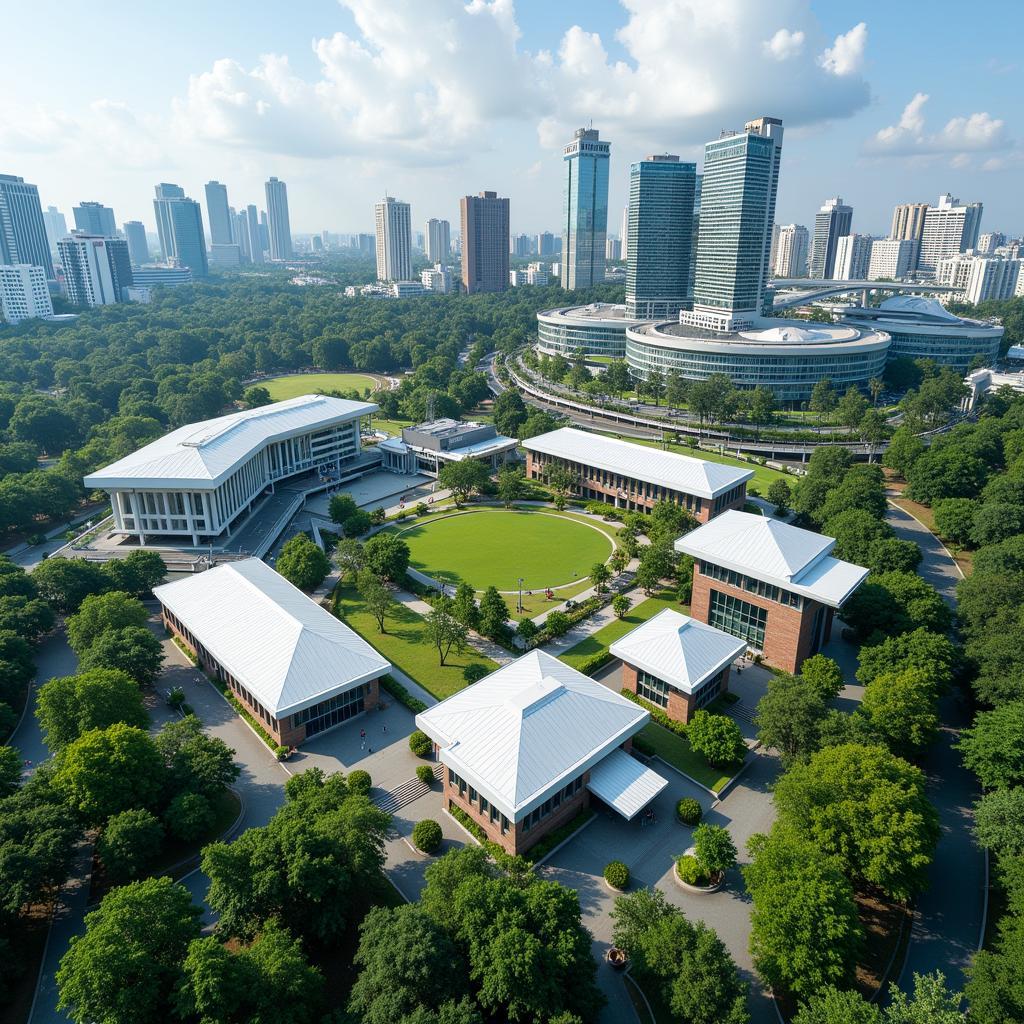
column 680, row 705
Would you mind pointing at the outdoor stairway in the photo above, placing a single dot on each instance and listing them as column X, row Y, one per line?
column 741, row 711
column 406, row 793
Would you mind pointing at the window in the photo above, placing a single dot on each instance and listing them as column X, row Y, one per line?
column 740, row 618
column 652, row 689
column 331, row 712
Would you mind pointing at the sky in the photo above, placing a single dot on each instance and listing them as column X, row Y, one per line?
column 428, row 100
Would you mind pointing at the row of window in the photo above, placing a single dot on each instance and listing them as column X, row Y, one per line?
column 552, row 804
column 332, row 711
column 738, row 617
column 657, row 691
column 730, row 498
column 473, row 798
column 752, row 586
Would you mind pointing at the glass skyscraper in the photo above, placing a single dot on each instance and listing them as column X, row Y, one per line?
column 831, row 222
column 95, row 219
column 659, row 237
column 217, row 213
column 179, row 224
column 22, row 228
column 278, row 220
column 584, row 209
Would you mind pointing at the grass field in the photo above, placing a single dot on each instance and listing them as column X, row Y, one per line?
column 496, row 547
column 281, row 388
column 676, row 750
column 405, row 646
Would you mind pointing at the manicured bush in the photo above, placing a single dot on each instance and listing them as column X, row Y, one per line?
column 425, row 774
column 176, row 697
column 474, row 672
column 688, row 810
column 557, row 623
column 714, row 849
column 427, row 835
column 421, row 744
column 402, row 695
column 616, row 874
column 359, row 782
column 189, row 816
column 689, row 870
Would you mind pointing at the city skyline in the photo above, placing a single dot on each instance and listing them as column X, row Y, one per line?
column 868, row 118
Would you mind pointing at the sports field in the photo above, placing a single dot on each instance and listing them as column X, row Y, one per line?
column 281, row 388
column 496, row 547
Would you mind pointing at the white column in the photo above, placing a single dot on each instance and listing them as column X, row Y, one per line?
column 115, row 508
column 136, row 511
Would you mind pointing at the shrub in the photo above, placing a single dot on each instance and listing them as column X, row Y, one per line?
column 557, row 624
column 422, row 508
column 474, row 672
column 402, row 695
column 688, row 810
column 642, row 746
column 359, row 782
column 421, row 744
column 616, row 874
column 188, row 816
column 427, row 835
column 425, row 774
column 176, row 697
column 715, row 850
column 690, row 870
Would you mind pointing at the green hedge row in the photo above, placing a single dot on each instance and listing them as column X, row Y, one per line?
column 657, row 715
column 402, row 695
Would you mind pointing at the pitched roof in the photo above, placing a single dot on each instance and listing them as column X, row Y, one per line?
column 288, row 651
column 777, row 553
column 668, row 469
column 207, row 452
column 528, row 728
column 678, row 649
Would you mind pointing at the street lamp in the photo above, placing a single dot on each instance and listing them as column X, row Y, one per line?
column 520, row 595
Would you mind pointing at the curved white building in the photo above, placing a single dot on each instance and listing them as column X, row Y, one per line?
column 789, row 357
column 599, row 329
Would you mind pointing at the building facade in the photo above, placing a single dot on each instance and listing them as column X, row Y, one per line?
column 154, row 275
column 278, row 222
column 95, row 219
column 426, row 447
column 138, row 246
column 56, row 228
column 853, row 258
column 437, row 279
column 179, row 223
column 394, row 240
column 252, row 223
column 22, row 228
column 950, row 227
column 438, row 238
column 892, row 259
column 831, row 222
column 24, row 293
column 97, row 270
column 485, row 241
column 218, row 214
column 584, row 209
column 598, row 329
column 791, row 251
column 908, row 222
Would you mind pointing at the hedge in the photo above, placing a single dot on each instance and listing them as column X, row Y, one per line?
column 402, row 695
column 657, row 714
column 689, row 811
column 421, row 744
column 240, row 709
column 590, row 665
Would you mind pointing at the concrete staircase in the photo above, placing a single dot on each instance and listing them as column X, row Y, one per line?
column 396, row 799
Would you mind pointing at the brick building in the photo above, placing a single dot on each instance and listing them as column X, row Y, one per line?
column 633, row 476
column 677, row 663
column 293, row 666
column 527, row 746
column 775, row 586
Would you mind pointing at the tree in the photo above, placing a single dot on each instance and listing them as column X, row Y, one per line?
column 920, row 649
column 657, row 562
column 387, row 556
column 954, row 518
column 789, row 717
column 136, row 574
column 341, row 507
column 562, row 482
column 375, row 596
column 67, row 582
column 945, row 472
column 189, row 816
column 836, row 1006
column 861, row 487
column 717, row 738
column 511, row 485
column 714, row 849
column 349, row 555
column 494, row 614
column 126, row 966
column 129, row 843
column 358, row 523
column 823, row 675
column 871, row 429
column 445, row 632
column 867, row 807
column 616, row 377
column 892, row 555
column 851, row 408
column 823, row 399
column 780, row 495
column 464, row 606
column 993, row 747
column 463, row 478
column 999, row 821
column 134, row 650
column 996, row 521
column 10, row 770
column 901, row 707
column 995, row 990
column 761, row 408
column 931, row 1003
column 195, row 761
column 99, row 612
column 620, row 606
column 855, row 530
column 600, row 574
column 69, row 706
column 895, row 602
column 509, row 412
column 256, row 397
column 302, row 563
column 905, row 447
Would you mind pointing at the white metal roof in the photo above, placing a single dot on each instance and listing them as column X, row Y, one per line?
column 652, row 465
column 529, row 728
column 203, row 454
column 288, row 651
column 678, row 649
column 797, row 560
column 624, row 783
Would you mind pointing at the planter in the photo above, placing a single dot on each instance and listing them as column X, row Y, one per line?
column 616, row 958
column 702, row 890
column 613, row 888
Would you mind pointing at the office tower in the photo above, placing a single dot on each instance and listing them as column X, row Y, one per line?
column 545, row 243
column 659, row 237
column 227, row 256
column 584, row 209
column 278, row 221
column 23, row 293
column 367, row 245
column 179, row 225
column 56, row 227
column 240, row 233
column 165, row 195
column 22, row 228
column 418, row 242
column 218, row 213
column 624, row 232
column 484, row 229
column 853, row 257
column 439, row 244
column 949, row 228
column 741, row 178
column 521, row 245
column 264, row 231
column 696, row 232
column 252, row 223
column 987, row 243
column 326, row 236
column 791, row 251
column 892, row 259
column 832, row 221
column 95, row 219
column 138, row 247
column 613, row 250
column 393, row 220
column 96, row 269
column 316, row 243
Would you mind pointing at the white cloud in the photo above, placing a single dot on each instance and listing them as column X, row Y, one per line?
column 846, row 55
column 784, row 44
column 961, row 136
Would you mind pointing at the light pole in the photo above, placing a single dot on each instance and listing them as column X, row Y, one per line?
column 520, row 595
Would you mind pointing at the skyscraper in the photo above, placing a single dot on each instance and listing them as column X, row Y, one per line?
column 484, row 243
column 277, row 220
column 240, row 233
column 138, row 246
column 908, row 221
column 791, row 251
column 892, row 258
column 740, row 180
column 832, row 221
column 56, row 227
column 252, row 218
column 23, row 293
column 22, row 229
column 217, row 213
column 624, row 232
column 393, row 220
column 95, row 219
column 264, row 231
column 949, row 228
column 439, row 241
column 165, row 194
column 584, row 209
column 96, row 269
column 853, row 257
column 659, row 237
column 545, row 243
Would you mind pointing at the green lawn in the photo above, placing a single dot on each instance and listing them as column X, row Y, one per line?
column 281, row 388
column 496, row 547
column 405, row 647
column 393, row 427
column 676, row 751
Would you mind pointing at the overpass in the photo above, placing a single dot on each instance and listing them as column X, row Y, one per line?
column 809, row 289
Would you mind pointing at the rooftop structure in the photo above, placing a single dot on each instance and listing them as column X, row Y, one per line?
column 599, row 329
column 426, row 447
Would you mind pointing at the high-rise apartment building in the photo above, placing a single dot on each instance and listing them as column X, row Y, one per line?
column 740, row 181
column 484, row 229
column 892, row 259
column 179, row 226
column 696, row 229
column 832, row 221
column 545, row 244
column 138, row 246
column 791, row 251
column 278, row 221
column 218, row 213
column 264, row 231
column 95, row 219
column 393, row 220
column 624, row 232
column 56, row 227
column 584, row 209
column 521, row 245
column 993, row 279
column 853, row 257
column 23, row 292
column 659, row 237
column 613, row 250
column 439, row 242
column 437, row 279
column 22, row 228
column 987, row 243
column 97, row 270
column 949, row 228
column 252, row 223
column 908, row 221
column 165, row 193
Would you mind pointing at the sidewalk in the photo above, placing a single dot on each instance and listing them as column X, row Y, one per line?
column 589, row 626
